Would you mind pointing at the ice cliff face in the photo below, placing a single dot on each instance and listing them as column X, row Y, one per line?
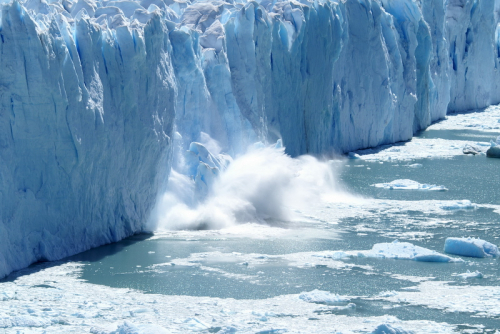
column 96, row 95
column 85, row 119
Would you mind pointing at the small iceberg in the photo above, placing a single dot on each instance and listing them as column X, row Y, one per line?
column 494, row 150
column 405, row 184
column 470, row 247
column 388, row 329
column 406, row 251
column 468, row 274
column 472, row 149
column 322, row 297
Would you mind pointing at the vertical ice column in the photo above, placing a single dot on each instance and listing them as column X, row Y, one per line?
column 374, row 96
column 248, row 41
column 86, row 116
column 415, row 46
column 306, row 42
column 471, row 26
column 433, row 12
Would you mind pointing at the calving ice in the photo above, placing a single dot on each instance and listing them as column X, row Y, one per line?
column 98, row 97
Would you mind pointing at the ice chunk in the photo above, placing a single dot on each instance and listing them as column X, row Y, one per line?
column 468, row 274
column 494, row 150
column 415, row 166
column 459, row 205
column 406, row 184
column 388, row 329
column 406, row 251
column 322, row 297
column 471, row 149
column 198, row 154
column 470, row 247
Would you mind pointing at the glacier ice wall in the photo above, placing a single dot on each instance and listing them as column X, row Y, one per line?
column 334, row 75
column 97, row 96
column 85, row 118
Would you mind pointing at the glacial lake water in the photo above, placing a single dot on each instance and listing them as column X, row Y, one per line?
column 267, row 261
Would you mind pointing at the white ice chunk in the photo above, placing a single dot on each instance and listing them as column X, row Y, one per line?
column 322, row 297
column 494, row 150
column 470, row 247
column 459, row 205
column 405, row 184
column 198, row 153
column 406, row 251
column 469, row 274
column 472, row 149
column 388, row 329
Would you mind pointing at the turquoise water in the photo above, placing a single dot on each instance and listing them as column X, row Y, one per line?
column 131, row 263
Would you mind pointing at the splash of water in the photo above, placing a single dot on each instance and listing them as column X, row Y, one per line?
column 260, row 186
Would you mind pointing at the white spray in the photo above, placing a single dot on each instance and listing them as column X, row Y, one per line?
column 262, row 185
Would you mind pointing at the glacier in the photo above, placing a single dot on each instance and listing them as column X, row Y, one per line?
column 97, row 98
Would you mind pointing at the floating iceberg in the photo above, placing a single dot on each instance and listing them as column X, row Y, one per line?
column 406, row 251
column 468, row 274
column 472, row 149
column 470, row 247
column 406, row 184
column 388, row 329
column 494, row 150
column 323, row 297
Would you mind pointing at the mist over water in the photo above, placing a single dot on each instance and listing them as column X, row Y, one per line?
column 262, row 185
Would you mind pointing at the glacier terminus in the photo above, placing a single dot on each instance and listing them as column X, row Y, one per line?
column 97, row 98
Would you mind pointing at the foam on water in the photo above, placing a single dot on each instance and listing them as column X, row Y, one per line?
column 264, row 185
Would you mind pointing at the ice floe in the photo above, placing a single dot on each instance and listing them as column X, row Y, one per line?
column 405, row 184
column 459, row 205
column 483, row 120
column 406, row 251
column 418, row 148
column 74, row 306
column 483, row 301
column 469, row 274
column 327, row 259
column 323, row 297
column 388, row 329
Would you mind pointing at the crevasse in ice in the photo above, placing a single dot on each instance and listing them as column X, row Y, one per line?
column 95, row 96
